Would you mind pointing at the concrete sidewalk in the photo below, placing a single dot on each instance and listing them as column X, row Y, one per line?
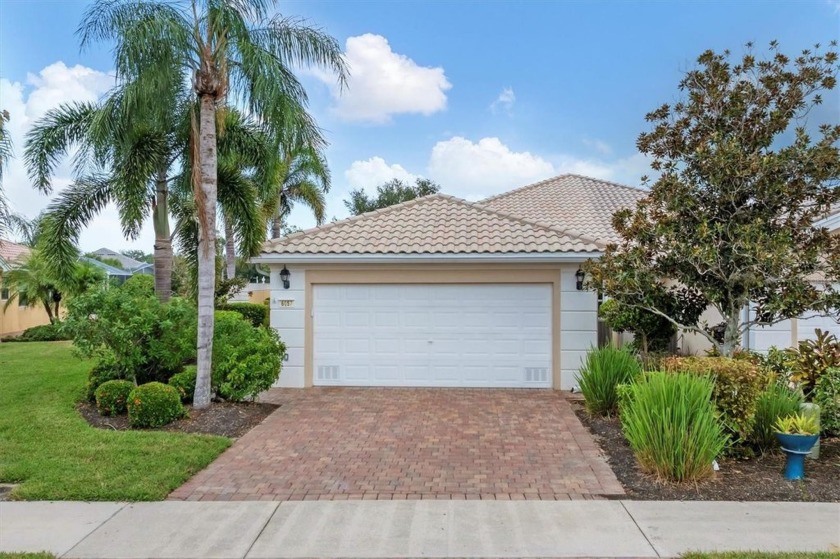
column 180, row 530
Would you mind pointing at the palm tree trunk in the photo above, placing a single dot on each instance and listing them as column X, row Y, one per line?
column 48, row 308
column 206, row 208
column 230, row 249
column 163, row 242
column 275, row 226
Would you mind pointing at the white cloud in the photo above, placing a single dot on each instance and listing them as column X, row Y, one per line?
column 504, row 101
column 600, row 146
column 29, row 101
column 384, row 83
column 375, row 171
column 475, row 169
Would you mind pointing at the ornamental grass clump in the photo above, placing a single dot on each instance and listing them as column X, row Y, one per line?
column 671, row 425
column 776, row 402
column 604, row 370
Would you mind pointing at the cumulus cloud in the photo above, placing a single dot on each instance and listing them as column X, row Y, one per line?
column 370, row 173
column 384, row 83
column 475, row 169
column 28, row 101
column 504, row 102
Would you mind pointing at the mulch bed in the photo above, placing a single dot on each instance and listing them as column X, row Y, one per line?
column 227, row 419
column 756, row 479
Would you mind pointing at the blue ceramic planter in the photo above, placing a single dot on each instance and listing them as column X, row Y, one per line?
column 796, row 447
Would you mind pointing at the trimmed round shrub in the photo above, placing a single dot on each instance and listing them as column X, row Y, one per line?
column 606, row 368
column 153, row 405
column 671, row 424
column 246, row 360
column 105, row 370
column 112, row 396
column 184, row 383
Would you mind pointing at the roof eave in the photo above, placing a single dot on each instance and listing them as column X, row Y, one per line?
column 430, row 258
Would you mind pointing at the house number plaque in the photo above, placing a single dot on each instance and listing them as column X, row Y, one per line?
column 287, row 302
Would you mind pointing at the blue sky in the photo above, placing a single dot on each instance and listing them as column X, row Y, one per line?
column 481, row 97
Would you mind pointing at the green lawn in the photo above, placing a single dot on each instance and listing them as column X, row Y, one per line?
column 47, row 447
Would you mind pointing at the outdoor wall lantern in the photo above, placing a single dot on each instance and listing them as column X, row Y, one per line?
column 284, row 277
column 580, row 275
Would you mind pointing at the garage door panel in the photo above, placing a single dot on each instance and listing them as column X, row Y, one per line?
column 432, row 335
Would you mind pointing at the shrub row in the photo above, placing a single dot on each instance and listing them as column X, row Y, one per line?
column 43, row 333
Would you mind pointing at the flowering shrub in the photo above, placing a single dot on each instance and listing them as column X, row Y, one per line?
column 112, row 397
column 153, row 405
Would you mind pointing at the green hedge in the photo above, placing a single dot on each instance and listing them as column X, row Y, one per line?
column 252, row 312
column 43, row 333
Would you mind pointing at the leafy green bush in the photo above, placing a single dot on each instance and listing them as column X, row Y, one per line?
column 43, row 333
column 139, row 285
column 737, row 384
column 670, row 422
column 775, row 402
column 154, row 404
column 256, row 314
column 779, row 363
column 246, row 360
column 150, row 340
column 184, row 383
column 827, row 397
column 106, row 369
column 112, row 396
column 605, row 368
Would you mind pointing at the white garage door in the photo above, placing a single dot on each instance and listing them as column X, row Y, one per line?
column 432, row 335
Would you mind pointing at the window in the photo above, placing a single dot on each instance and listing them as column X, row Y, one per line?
column 4, row 294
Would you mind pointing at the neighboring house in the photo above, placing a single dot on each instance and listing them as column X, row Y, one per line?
column 443, row 292
column 115, row 275
column 126, row 263
column 18, row 317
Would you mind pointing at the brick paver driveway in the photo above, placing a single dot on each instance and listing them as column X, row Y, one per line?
column 389, row 443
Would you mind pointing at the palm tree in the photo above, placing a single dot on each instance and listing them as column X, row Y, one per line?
column 232, row 51
column 30, row 283
column 300, row 176
column 120, row 159
column 5, row 155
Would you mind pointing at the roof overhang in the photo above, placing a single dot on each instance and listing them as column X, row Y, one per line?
column 832, row 222
column 448, row 258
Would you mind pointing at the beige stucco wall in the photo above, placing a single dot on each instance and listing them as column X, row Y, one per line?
column 575, row 323
column 16, row 319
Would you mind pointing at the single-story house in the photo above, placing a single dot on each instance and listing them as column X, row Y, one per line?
column 439, row 291
column 126, row 262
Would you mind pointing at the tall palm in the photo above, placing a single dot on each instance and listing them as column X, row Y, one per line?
column 301, row 176
column 119, row 158
column 5, row 155
column 232, row 51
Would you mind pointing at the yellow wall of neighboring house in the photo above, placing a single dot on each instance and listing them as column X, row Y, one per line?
column 16, row 319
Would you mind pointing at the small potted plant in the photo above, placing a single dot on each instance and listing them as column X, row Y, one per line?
column 797, row 434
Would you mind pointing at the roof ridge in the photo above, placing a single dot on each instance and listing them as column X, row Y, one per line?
column 552, row 179
column 562, row 231
column 359, row 217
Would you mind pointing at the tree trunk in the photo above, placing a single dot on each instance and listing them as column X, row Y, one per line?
column 230, row 249
column 49, row 311
column 163, row 242
column 276, row 222
column 206, row 208
column 731, row 340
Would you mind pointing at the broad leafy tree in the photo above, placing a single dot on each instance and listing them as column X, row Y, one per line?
column 392, row 192
column 730, row 220
column 232, row 51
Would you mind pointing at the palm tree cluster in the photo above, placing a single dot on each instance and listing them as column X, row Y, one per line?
column 207, row 119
